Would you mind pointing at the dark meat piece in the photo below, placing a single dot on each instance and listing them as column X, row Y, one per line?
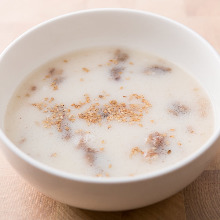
column 178, row 109
column 156, row 139
column 66, row 132
column 58, row 80
column 82, row 144
column 116, row 72
column 51, row 71
column 33, row 88
column 120, row 56
column 157, row 70
column 90, row 155
column 54, row 72
column 103, row 113
column 89, row 152
column 63, row 123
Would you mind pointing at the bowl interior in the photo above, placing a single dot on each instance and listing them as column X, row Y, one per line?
column 143, row 31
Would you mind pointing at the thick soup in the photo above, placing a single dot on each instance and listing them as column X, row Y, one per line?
column 109, row 112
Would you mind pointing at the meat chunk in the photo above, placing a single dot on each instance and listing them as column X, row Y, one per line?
column 54, row 72
column 104, row 113
column 156, row 140
column 66, row 132
column 89, row 152
column 120, row 56
column 116, row 72
column 90, row 155
column 33, row 88
column 178, row 109
column 157, row 70
column 55, row 76
column 58, row 80
column 51, row 71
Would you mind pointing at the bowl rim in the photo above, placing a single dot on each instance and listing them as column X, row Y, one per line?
column 112, row 180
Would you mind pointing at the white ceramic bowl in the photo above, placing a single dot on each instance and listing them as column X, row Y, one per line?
column 140, row 30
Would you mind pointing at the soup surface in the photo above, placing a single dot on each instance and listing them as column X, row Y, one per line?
column 109, row 112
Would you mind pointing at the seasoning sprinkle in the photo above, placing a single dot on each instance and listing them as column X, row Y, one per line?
column 85, row 69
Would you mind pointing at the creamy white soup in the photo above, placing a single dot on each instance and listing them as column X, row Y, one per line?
column 109, row 112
